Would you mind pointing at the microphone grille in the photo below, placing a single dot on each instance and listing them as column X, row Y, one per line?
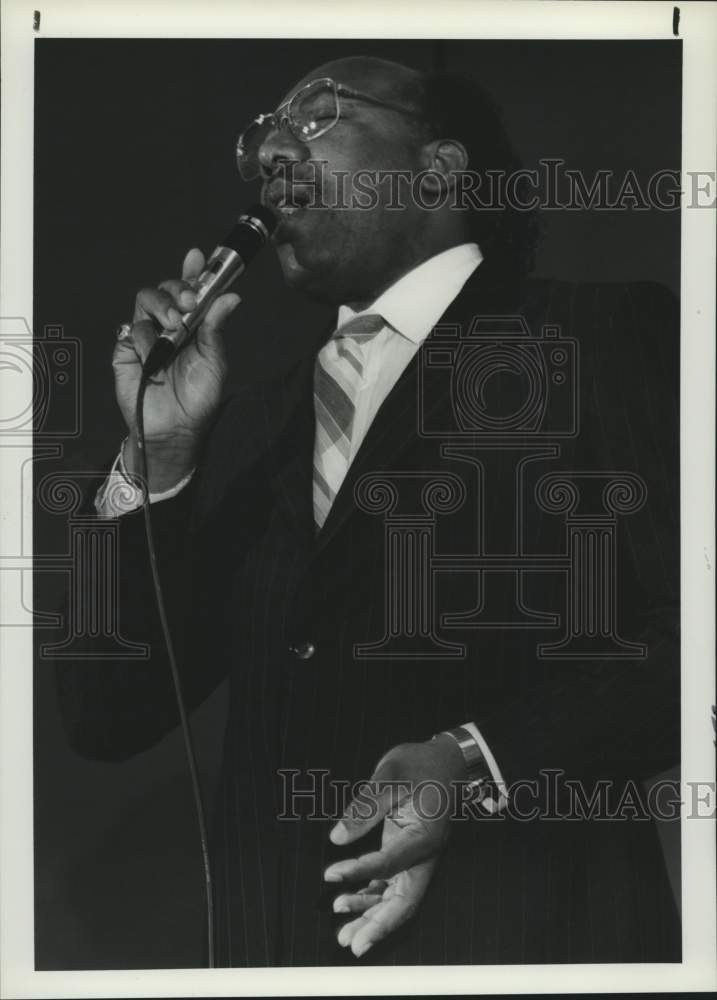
column 252, row 231
column 259, row 214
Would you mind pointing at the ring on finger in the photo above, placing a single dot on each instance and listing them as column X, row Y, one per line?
column 122, row 332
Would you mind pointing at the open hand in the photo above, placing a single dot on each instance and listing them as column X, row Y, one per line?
column 411, row 792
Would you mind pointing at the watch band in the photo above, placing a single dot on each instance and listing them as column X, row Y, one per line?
column 476, row 764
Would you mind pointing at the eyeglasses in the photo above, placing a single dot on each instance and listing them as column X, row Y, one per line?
column 310, row 113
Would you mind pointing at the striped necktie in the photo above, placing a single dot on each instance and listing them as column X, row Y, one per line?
column 337, row 379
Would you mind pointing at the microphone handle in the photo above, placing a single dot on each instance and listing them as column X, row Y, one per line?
column 221, row 271
column 228, row 262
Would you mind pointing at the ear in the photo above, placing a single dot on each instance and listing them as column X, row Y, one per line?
column 443, row 158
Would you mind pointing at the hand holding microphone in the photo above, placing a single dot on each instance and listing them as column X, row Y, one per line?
column 178, row 326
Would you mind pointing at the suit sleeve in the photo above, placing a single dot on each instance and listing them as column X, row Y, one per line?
column 618, row 715
column 112, row 709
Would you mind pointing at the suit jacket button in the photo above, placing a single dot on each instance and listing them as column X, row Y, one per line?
column 303, row 650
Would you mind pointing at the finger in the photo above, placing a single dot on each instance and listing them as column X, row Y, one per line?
column 395, row 908
column 408, row 848
column 193, row 264
column 182, row 293
column 374, row 801
column 137, row 345
column 376, row 924
column 157, row 304
column 359, row 902
column 376, row 885
column 216, row 318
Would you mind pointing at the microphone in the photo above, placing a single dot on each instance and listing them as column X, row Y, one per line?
column 228, row 261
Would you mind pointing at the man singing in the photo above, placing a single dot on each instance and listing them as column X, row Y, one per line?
column 271, row 511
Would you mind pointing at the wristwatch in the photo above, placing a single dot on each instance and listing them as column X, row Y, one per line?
column 478, row 770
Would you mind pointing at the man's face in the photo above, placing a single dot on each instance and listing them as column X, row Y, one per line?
column 333, row 249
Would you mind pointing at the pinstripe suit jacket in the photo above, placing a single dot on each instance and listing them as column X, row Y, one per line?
column 250, row 580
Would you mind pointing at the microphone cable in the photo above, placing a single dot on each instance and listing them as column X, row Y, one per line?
column 224, row 266
column 173, row 666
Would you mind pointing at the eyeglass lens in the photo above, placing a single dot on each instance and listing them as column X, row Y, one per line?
column 310, row 113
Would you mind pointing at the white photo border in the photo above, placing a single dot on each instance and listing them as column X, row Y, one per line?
column 415, row 19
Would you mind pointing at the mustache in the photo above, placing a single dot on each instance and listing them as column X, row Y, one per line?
column 293, row 185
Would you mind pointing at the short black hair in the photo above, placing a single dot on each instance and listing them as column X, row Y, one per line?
column 456, row 106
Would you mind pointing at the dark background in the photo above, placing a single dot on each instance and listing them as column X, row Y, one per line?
column 134, row 164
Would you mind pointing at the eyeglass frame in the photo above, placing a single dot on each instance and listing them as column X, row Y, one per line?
column 339, row 90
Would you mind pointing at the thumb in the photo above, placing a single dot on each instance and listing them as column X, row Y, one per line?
column 193, row 264
column 216, row 318
column 374, row 800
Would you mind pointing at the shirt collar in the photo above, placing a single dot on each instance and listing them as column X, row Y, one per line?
column 414, row 304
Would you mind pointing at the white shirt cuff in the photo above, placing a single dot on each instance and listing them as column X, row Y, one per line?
column 492, row 803
column 119, row 494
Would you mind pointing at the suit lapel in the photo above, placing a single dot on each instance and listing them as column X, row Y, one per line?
column 289, row 430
